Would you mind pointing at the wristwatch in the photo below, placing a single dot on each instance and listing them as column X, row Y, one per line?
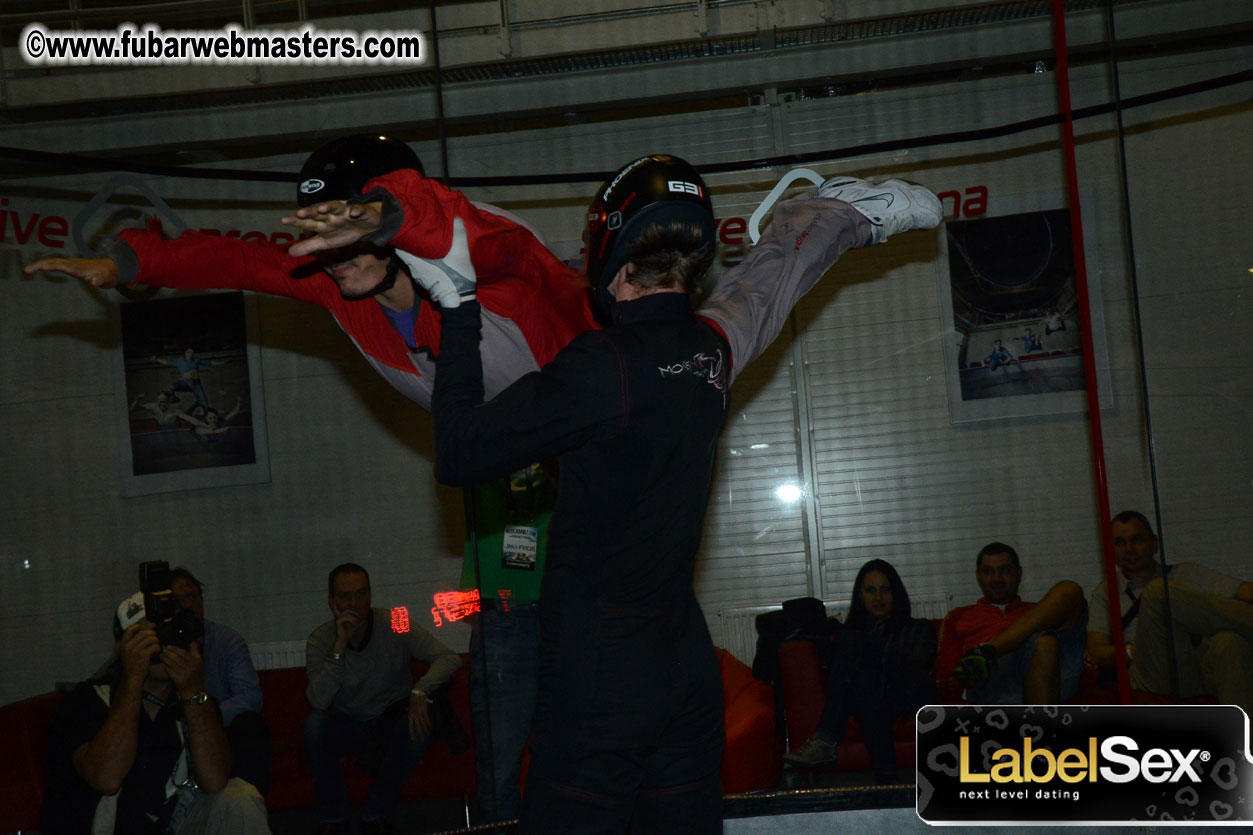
column 198, row 699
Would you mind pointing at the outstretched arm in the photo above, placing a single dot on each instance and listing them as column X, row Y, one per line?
column 538, row 416
column 98, row 272
column 239, row 404
column 576, row 397
column 195, row 261
column 334, row 224
column 415, row 214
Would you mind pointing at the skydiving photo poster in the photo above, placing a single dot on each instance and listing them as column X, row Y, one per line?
column 1012, row 312
column 190, row 411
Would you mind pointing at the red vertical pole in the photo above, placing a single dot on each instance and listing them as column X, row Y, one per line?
column 1089, row 357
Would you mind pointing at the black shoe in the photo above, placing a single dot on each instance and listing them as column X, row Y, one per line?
column 382, row 826
column 976, row 667
column 815, row 753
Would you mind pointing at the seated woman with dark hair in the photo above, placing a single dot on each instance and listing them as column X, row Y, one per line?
column 880, row 670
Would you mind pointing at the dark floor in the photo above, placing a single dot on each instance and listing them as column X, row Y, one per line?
column 444, row 814
column 801, row 790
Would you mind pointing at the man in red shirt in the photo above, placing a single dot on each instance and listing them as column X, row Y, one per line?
column 1006, row 651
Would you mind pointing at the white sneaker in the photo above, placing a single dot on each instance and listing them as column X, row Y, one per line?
column 892, row 206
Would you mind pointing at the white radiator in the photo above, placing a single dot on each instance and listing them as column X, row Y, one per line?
column 739, row 623
column 277, row 654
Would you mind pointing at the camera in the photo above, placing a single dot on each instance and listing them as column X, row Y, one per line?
column 176, row 627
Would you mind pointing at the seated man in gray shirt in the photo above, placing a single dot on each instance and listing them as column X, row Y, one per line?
column 1212, row 621
column 364, row 699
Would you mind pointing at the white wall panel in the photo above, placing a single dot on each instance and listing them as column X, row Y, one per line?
column 753, row 548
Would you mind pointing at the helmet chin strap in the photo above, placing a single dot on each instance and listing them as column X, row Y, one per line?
column 386, row 283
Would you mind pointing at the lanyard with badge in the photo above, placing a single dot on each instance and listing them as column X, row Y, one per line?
column 524, row 500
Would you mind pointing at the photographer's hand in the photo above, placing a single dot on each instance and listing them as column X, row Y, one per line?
column 210, row 750
column 139, row 643
column 186, row 669
column 105, row 760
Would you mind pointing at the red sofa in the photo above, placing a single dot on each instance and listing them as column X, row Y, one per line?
column 805, row 691
column 805, row 695
column 440, row 774
column 752, row 761
column 24, row 728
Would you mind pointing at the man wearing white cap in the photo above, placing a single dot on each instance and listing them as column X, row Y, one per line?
column 141, row 749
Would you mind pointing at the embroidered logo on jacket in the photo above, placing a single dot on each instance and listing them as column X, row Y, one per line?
column 706, row 366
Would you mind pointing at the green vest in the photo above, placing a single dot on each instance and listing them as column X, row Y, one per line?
column 510, row 518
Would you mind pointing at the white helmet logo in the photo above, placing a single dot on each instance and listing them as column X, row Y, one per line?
column 311, row 186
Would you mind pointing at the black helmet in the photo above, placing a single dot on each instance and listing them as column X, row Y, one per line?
column 653, row 189
column 340, row 168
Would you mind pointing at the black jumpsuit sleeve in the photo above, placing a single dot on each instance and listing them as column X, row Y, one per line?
column 580, row 395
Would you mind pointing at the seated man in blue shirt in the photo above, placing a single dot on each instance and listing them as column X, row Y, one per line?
column 140, row 749
column 232, row 681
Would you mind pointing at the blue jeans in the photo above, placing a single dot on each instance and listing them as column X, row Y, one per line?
column 1005, row 685
column 195, row 388
column 504, row 674
column 330, row 735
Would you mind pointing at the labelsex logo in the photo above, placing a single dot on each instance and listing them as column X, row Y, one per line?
column 1039, row 765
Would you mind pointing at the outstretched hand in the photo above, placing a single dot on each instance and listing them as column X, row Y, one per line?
column 98, row 272
column 334, row 224
column 186, row 668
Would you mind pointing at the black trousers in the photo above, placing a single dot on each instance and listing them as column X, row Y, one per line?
column 621, row 745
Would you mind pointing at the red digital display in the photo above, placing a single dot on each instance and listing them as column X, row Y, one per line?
column 400, row 620
column 454, row 605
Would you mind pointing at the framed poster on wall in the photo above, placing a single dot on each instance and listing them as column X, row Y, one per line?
column 1012, row 313
column 190, row 411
